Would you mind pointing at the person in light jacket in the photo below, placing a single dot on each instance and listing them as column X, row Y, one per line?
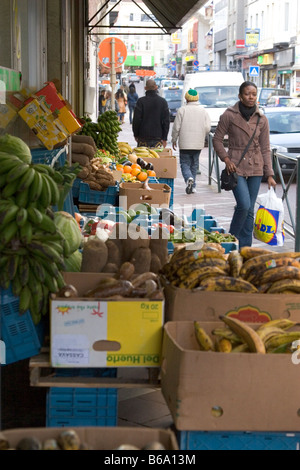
column 238, row 123
column 191, row 125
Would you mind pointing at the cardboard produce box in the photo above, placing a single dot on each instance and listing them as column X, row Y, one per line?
column 99, row 333
column 165, row 166
column 213, row 391
column 99, row 438
column 209, row 305
column 159, row 194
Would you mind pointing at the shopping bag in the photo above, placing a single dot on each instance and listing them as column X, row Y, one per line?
column 269, row 219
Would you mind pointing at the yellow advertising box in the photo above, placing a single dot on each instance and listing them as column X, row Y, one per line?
column 69, row 120
column 43, row 123
column 89, row 332
column 7, row 115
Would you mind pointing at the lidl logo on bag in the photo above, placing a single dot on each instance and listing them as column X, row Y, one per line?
column 266, row 226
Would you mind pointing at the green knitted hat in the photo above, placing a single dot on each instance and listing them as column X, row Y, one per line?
column 191, row 95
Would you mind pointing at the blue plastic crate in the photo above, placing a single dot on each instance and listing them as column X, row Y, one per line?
column 42, row 155
column 169, row 182
column 91, row 196
column 82, row 406
column 22, row 338
column 75, row 187
column 200, row 440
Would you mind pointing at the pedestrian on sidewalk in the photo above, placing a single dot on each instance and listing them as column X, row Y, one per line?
column 132, row 98
column 102, row 101
column 239, row 123
column 192, row 124
column 121, row 100
column 151, row 119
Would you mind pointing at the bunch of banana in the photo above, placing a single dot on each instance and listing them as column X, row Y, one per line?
column 124, row 148
column 270, row 337
column 32, row 249
column 146, row 152
column 104, row 132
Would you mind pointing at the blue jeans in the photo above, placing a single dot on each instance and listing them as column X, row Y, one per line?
column 131, row 109
column 189, row 164
column 242, row 223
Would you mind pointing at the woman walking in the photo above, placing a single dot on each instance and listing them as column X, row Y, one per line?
column 121, row 100
column 240, row 122
column 132, row 98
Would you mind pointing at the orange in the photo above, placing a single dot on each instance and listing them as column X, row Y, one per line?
column 119, row 167
column 142, row 176
column 135, row 171
column 135, row 166
column 127, row 169
column 151, row 173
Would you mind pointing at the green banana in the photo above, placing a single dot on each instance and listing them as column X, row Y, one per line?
column 22, row 198
column 16, row 285
column 12, row 267
column 44, row 251
column 21, row 216
column 23, row 271
column 8, row 232
column 24, row 299
column 2, row 180
column 17, row 172
column 10, row 189
column 47, row 224
column 51, row 283
column 8, row 214
column 55, row 194
column 35, row 188
column 46, row 195
column 6, row 165
column 34, row 215
column 26, row 231
column 27, row 179
column 37, row 269
column 45, row 169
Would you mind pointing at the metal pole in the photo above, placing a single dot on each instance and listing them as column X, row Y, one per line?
column 113, row 75
column 297, row 231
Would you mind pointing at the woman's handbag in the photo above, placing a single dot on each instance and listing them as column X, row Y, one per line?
column 229, row 180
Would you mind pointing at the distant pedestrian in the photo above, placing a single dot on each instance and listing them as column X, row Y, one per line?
column 121, row 100
column 191, row 125
column 102, row 101
column 109, row 102
column 132, row 98
column 151, row 118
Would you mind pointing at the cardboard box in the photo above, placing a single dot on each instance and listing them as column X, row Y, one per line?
column 100, row 438
column 165, row 166
column 7, row 115
column 44, row 124
column 209, row 305
column 158, row 195
column 213, row 391
column 99, row 333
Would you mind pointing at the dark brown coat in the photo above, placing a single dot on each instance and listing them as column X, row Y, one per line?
column 257, row 161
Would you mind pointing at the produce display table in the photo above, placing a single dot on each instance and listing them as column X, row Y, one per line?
column 42, row 374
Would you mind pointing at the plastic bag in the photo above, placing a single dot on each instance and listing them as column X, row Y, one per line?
column 269, row 219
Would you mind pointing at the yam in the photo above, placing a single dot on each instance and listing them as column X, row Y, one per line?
column 94, row 256
column 84, row 139
column 95, row 186
column 159, row 245
column 114, row 255
column 137, row 237
column 118, row 236
column 141, row 260
column 80, row 158
column 155, row 265
column 126, row 271
column 110, row 268
column 85, row 149
column 84, row 173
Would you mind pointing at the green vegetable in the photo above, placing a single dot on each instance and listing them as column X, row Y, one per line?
column 15, row 146
column 68, row 226
column 73, row 262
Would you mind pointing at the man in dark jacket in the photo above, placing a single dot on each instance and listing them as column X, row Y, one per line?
column 151, row 120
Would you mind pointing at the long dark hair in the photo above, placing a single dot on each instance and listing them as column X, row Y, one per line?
column 120, row 94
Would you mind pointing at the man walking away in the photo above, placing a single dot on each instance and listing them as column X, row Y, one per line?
column 151, row 120
column 132, row 98
column 190, row 127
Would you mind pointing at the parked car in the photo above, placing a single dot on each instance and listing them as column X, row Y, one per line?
column 173, row 96
column 133, row 77
column 263, row 94
column 284, row 125
column 280, row 101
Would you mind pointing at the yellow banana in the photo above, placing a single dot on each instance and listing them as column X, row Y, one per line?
column 279, row 340
column 248, row 334
column 235, row 261
column 204, row 340
column 228, row 334
column 282, row 323
column 248, row 252
column 241, row 348
column 267, row 333
column 225, row 346
column 153, row 153
column 284, row 284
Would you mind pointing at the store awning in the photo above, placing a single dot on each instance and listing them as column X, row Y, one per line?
column 169, row 15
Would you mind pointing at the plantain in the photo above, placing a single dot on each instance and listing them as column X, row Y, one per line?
column 248, row 334
column 288, row 337
column 285, row 284
column 235, row 261
column 282, row 323
column 228, row 334
column 243, row 347
column 269, row 259
column 229, row 284
column 198, row 275
column 224, row 345
column 284, row 272
column 204, row 340
column 259, row 273
column 188, row 268
column 248, row 252
column 267, row 333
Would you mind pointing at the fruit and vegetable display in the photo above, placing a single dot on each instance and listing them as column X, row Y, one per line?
column 279, row 336
column 249, row 270
column 138, row 152
column 97, row 175
column 68, row 439
column 104, row 132
column 34, row 239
